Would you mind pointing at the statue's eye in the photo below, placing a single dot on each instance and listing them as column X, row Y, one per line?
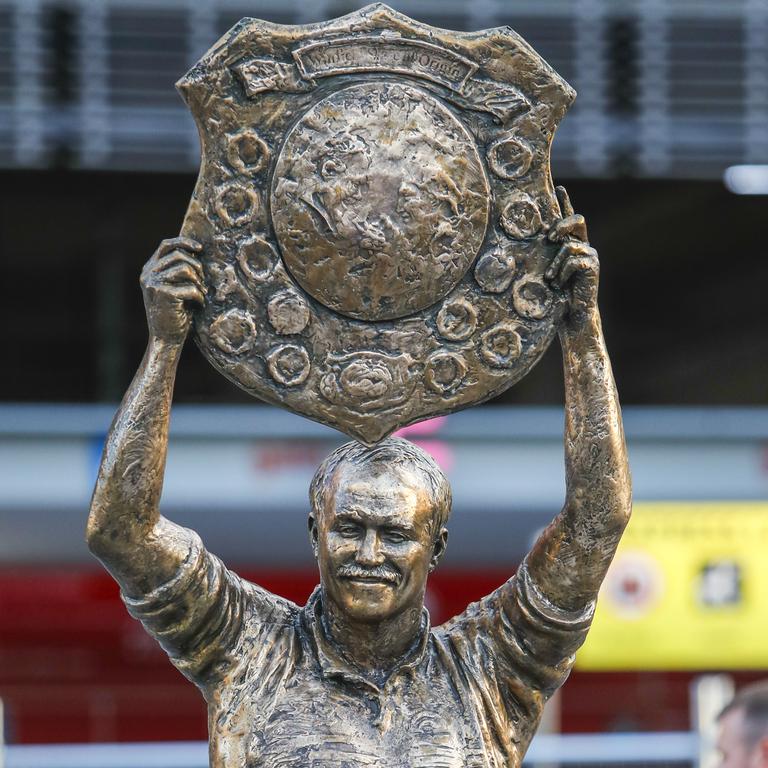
column 347, row 529
column 395, row 537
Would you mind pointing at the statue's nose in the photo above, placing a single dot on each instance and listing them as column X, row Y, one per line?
column 369, row 552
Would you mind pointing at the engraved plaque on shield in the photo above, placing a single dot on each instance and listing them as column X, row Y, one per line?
column 373, row 203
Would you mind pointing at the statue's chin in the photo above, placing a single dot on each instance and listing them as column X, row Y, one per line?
column 369, row 600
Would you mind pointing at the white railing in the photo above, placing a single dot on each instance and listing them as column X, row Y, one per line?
column 647, row 749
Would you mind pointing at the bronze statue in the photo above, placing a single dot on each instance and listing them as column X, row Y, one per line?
column 357, row 677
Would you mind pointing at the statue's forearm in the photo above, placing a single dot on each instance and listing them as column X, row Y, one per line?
column 597, row 472
column 574, row 553
column 125, row 505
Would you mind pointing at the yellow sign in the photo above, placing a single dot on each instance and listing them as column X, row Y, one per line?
column 688, row 589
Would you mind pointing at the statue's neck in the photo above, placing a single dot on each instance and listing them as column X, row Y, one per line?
column 373, row 647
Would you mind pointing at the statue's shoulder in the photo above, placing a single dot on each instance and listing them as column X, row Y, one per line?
column 264, row 607
column 484, row 617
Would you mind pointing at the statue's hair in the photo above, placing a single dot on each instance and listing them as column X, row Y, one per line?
column 392, row 453
column 752, row 700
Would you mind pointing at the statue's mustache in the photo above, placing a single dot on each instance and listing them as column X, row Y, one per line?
column 378, row 572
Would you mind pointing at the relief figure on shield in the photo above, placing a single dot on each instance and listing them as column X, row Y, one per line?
column 357, row 676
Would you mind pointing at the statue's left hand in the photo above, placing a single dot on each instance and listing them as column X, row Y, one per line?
column 576, row 268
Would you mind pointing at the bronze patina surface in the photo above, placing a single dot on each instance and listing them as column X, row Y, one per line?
column 373, row 202
column 358, row 677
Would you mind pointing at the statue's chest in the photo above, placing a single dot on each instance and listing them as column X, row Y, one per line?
column 316, row 722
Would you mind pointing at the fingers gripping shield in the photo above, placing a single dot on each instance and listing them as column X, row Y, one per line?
column 373, row 203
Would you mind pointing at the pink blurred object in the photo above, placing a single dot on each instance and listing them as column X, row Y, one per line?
column 440, row 451
column 428, row 427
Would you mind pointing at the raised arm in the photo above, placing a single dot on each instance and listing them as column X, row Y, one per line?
column 125, row 531
column 570, row 559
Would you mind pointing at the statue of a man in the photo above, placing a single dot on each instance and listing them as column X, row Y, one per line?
column 357, row 677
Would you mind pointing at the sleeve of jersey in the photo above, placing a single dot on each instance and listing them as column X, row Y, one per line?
column 510, row 651
column 196, row 616
column 535, row 641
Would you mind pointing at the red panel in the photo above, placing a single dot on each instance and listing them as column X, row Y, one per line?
column 75, row 667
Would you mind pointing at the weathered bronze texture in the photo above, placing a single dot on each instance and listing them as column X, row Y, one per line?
column 357, row 677
column 373, row 204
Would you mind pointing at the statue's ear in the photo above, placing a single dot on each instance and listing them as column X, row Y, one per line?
column 441, row 542
column 313, row 532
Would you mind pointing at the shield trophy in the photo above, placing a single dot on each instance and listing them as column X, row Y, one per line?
column 373, row 203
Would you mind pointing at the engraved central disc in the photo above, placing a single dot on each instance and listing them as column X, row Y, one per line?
column 379, row 201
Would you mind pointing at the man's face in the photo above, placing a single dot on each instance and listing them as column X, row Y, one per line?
column 374, row 542
column 736, row 745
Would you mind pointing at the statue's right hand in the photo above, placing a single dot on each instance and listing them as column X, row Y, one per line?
column 172, row 280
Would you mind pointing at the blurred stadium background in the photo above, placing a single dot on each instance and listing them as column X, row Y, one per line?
column 98, row 156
